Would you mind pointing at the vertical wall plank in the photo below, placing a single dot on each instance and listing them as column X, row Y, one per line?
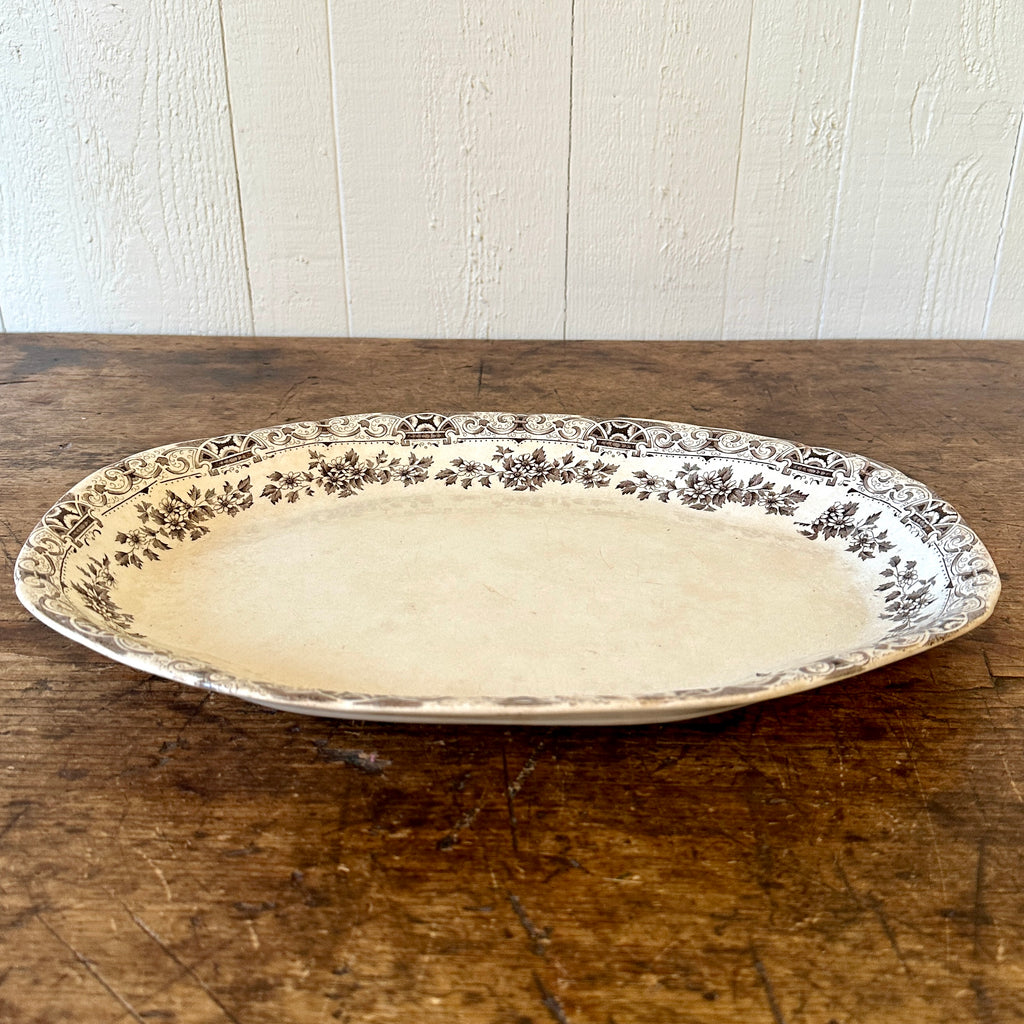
column 120, row 205
column 279, row 75
column 453, row 130
column 1004, row 317
column 798, row 91
column 930, row 145
column 657, row 118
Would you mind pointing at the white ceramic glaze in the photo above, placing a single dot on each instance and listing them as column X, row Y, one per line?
column 496, row 567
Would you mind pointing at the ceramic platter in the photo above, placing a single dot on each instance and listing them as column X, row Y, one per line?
column 495, row 567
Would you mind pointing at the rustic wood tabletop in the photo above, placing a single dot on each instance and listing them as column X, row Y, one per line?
column 849, row 855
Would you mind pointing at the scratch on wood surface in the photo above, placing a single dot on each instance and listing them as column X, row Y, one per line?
column 980, row 915
column 512, row 788
column 91, row 967
column 22, row 808
column 159, row 874
column 550, row 1000
column 1010, row 779
column 539, row 937
column 769, row 989
column 513, row 822
column 9, row 552
column 922, row 792
column 527, row 770
column 369, row 762
column 190, row 971
column 875, row 905
column 192, row 716
column 282, row 405
column 983, row 1002
column 999, row 753
column 450, row 840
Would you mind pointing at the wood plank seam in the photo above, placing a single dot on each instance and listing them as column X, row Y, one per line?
column 997, row 262
column 234, row 163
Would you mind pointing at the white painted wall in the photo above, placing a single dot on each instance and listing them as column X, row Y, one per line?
column 577, row 168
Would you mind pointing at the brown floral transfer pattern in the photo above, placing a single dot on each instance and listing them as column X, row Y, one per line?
column 839, row 520
column 528, row 471
column 94, row 585
column 707, row 491
column 345, row 476
column 175, row 518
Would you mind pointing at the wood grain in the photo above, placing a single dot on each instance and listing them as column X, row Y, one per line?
column 851, row 854
column 119, row 203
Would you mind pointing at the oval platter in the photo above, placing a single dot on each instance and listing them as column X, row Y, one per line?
column 504, row 568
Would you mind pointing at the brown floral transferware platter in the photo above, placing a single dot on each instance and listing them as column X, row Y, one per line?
column 504, row 568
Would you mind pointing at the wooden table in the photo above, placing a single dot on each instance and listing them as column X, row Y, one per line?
column 852, row 854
